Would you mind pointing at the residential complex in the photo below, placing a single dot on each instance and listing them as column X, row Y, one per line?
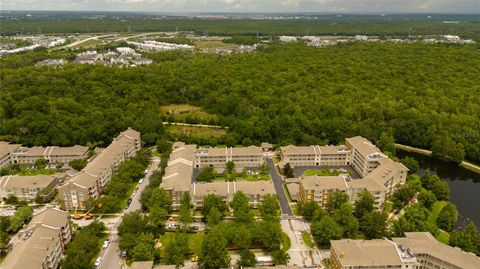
column 243, row 157
column 89, row 182
column 379, row 174
column 15, row 153
column 178, row 178
column 315, row 155
column 28, row 187
column 370, row 254
column 41, row 243
column 432, row 254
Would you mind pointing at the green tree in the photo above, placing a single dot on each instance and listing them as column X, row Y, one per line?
column 144, row 250
column 78, row 164
column 247, row 259
column 207, row 174
column 241, row 208
column 325, row 230
column 280, row 256
column 213, row 201
column 185, row 215
column 288, row 171
column 41, row 162
column 411, row 164
column 364, row 204
column 161, row 198
column 445, row 146
column 386, row 143
column 308, row 209
column 345, row 218
column 230, row 167
column 269, row 234
column 214, row 253
column 374, row 224
column 176, row 249
column 214, row 217
column 467, row 239
column 242, row 238
column 427, row 198
column 447, row 217
column 336, row 200
column 22, row 216
column 269, row 208
column 12, row 200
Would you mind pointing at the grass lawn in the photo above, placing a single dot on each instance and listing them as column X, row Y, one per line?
column 186, row 112
column 286, row 244
column 307, row 239
column 443, row 236
column 436, row 208
column 294, row 209
column 42, row 171
column 287, row 193
column 194, row 242
column 246, row 178
column 198, row 132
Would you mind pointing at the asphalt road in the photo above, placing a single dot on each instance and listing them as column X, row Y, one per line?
column 111, row 256
column 278, row 183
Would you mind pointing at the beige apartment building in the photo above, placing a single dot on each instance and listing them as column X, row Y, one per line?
column 254, row 190
column 41, row 243
column 52, row 154
column 6, row 151
column 365, row 155
column 28, row 187
column 89, row 182
column 315, row 155
column 179, row 172
column 432, row 254
column 242, row 157
column 370, row 254
column 318, row 189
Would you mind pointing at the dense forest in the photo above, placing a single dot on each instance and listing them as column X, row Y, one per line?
column 425, row 95
column 392, row 25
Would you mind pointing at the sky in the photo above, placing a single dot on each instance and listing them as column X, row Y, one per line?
column 318, row 6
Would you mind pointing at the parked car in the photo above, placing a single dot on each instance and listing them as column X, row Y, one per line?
column 105, row 244
column 123, row 254
column 88, row 216
column 98, row 262
column 140, row 181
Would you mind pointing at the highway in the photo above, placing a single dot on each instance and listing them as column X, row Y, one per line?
column 111, row 256
column 86, row 39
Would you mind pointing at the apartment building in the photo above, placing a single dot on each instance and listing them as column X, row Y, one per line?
column 315, row 155
column 365, row 155
column 179, row 172
column 52, row 154
column 41, row 243
column 27, row 188
column 432, row 254
column 254, row 190
column 370, row 254
column 6, row 151
column 318, row 189
column 92, row 179
column 243, row 157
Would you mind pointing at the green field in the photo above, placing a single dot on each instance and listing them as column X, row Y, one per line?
column 443, row 236
column 286, row 244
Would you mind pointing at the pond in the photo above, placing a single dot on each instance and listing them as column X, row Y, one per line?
column 464, row 184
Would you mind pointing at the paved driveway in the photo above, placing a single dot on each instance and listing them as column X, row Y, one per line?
column 278, row 183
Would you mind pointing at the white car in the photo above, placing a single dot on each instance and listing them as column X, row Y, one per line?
column 98, row 261
column 105, row 244
column 140, row 181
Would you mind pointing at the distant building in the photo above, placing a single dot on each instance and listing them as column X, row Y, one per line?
column 287, row 39
column 52, row 154
column 15, row 153
column 92, row 179
column 365, row 155
column 432, row 254
column 319, row 189
column 242, row 157
column 452, row 38
column 41, row 243
column 6, row 151
column 88, row 57
column 125, row 50
column 315, row 155
column 370, row 254
column 51, row 62
column 361, row 37
column 27, row 188
column 150, row 45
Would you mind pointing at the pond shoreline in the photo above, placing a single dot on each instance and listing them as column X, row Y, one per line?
column 465, row 164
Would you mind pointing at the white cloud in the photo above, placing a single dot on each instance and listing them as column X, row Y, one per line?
column 290, row 3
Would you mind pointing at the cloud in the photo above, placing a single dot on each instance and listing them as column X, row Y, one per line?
column 290, row 3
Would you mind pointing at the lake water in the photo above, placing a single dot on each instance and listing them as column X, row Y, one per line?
column 464, row 184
